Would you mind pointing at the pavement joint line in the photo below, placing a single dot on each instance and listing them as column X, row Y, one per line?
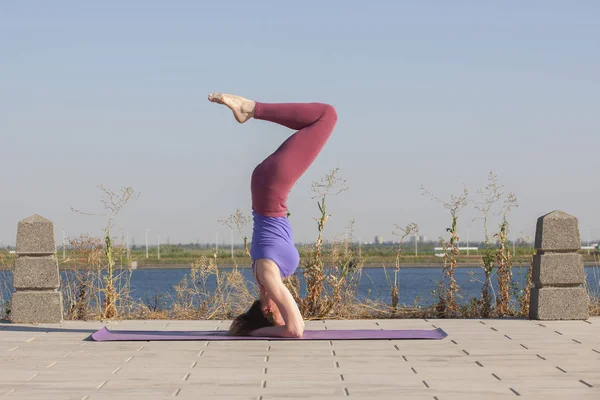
column 269, row 348
column 377, row 323
column 496, row 376
column 434, row 326
column 129, row 359
column 576, row 341
column 186, row 377
column 264, row 371
column 542, row 325
column 331, row 343
column 52, row 364
column 337, row 364
column 206, row 344
column 176, row 392
column 263, row 384
column 9, row 392
column 200, row 354
column 525, row 347
column 32, row 377
column 346, row 392
column 116, row 370
column 541, row 357
column 453, row 341
column 585, row 383
column 558, row 333
column 560, row 369
column 326, row 327
column 101, row 385
column 413, row 370
column 14, row 348
column 194, row 363
column 341, row 377
column 30, row 340
column 478, row 363
column 597, row 351
column 466, row 352
column 426, row 385
column 515, row 392
column 508, row 337
column 85, row 397
column 587, row 322
column 333, row 353
column 396, row 347
column 405, row 359
column 481, row 322
column 259, row 397
column 140, row 348
column 494, row 329
column 266, row 358
column 66, row 355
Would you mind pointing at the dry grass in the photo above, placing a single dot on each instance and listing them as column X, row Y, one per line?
column 448, row 288
column 7, row 263
column 101, row 290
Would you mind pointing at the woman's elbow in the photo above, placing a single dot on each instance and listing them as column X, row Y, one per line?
column 295, row 331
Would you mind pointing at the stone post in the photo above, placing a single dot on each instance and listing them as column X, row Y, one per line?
column 558, row 272
column 36, row 280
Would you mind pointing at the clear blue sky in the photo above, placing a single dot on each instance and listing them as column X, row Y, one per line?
column 427, row 93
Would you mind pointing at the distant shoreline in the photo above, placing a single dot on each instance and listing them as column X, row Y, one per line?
column 368, row 265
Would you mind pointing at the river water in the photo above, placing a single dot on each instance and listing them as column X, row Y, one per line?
column 414, row 283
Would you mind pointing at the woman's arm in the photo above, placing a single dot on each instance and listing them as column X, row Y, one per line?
column 268, row 276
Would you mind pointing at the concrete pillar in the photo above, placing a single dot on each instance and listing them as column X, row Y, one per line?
column 558, row 273
column 36, row 280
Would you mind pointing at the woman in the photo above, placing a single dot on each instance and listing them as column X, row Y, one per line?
column 274, row 256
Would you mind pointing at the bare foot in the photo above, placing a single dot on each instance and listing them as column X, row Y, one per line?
column 243, row 109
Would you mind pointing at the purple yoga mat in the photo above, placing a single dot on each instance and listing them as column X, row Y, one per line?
column 106, row 335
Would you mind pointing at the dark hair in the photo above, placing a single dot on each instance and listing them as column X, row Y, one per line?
column 249, row 321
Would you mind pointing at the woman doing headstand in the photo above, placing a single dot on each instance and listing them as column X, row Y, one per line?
column 274, row 256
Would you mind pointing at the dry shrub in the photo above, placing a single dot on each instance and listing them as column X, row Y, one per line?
column 78, row 284
column 7, row 264
column 112, row 288
column 448, row 288
column 343, row 276
column 402, row 232
column 195, row 300
column 92, row 290
column 594, row 293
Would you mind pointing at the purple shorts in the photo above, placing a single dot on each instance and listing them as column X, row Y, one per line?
column 272, row 239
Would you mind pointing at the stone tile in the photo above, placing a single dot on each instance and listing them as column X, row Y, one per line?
column 33, row 306
column 36, row 273
column 552, row 303
column 35, row 235
column 557, row 231
column 370, row 369
column 557, row 269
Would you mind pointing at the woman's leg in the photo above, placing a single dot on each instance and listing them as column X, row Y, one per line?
column 273, row 178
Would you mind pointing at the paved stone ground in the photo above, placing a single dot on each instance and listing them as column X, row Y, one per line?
column 480, row 359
